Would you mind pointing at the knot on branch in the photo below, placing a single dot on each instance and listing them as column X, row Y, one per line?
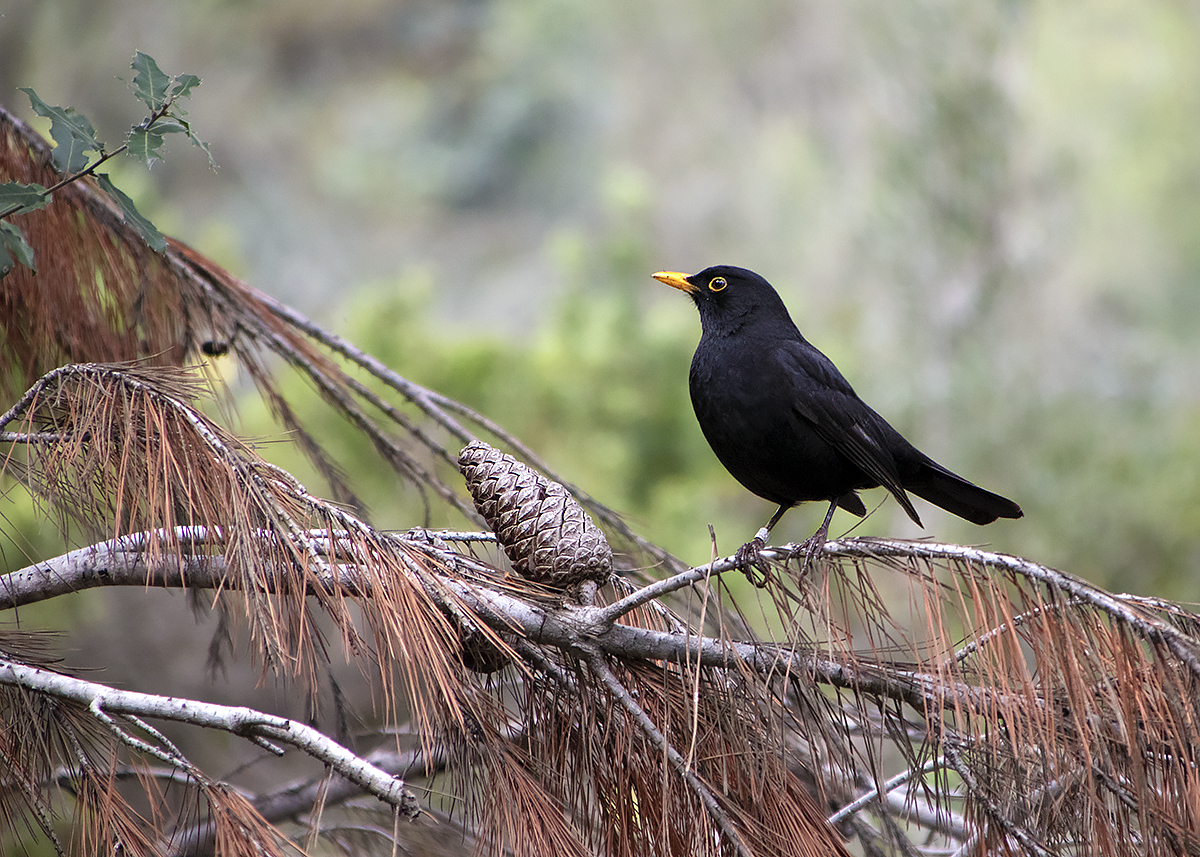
column 548, row 536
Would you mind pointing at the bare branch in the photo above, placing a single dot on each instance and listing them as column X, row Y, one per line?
column 245, row 722
column 1124, row 610
column 656, row 590
column 883, row 790
column 294, row 799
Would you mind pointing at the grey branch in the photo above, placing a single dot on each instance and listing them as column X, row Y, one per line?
column 237, row 720
column 655, row 737
column 123, row 562
column 294, row 799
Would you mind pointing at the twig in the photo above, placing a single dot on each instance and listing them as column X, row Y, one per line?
column 170, row 756
column 935, row 818
column 146, row 124
column 988, row 806
column 22, row 404
column 884, row 789
column 1017, row 621
column 1152, row 629
column 450, row 536
column 658, row 589
column 65, row 777
column 602, row 671
column 422, row 397
column 298, row 797
column 31, row 437
column 968, row 847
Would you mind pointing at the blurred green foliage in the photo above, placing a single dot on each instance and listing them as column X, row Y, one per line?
column 599, row 390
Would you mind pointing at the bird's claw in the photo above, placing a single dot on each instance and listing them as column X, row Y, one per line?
column 812, row 548
column 749, row 558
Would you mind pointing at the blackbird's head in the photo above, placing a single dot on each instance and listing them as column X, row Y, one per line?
column 729, row 297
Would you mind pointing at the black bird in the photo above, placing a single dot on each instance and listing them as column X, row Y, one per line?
column 788, row 426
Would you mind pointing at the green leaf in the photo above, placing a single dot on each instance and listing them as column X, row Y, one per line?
column 73, row 134
column 30, row 197
column 169, row 125
column 183, row 84
column 13, row 244
column 149, row 83
column 133, row 217
column 144, row 144
column 196, row 141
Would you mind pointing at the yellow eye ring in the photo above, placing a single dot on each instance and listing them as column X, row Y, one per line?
column 716, row 284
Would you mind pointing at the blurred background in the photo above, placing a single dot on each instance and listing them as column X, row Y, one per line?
column 986, row 212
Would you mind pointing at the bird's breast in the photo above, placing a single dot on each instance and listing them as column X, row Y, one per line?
column 745, row 403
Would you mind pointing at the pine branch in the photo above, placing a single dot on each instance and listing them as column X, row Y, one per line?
column 657, row 740
column 297, row 798
column 1125, row 609
column 104, row 702
column 566, row 627
column 883, row 790
column 563, row 626
column 1037, row 688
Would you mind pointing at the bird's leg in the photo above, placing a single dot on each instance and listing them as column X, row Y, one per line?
column 749, row 555
column 817, row 541
column 765, row 532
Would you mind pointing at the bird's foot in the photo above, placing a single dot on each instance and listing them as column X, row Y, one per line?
column 812, row 548
column 750, row 559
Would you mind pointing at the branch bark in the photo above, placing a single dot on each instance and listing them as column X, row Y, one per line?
column 237, row 720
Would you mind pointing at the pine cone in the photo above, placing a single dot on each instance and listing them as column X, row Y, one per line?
column 547, row 535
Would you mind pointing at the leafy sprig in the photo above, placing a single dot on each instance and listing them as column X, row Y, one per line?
column 79, row 152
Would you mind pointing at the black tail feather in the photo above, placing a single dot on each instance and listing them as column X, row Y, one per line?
column 959, row 497
column 852, row 503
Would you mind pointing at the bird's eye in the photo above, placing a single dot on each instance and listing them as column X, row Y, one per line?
column 716, row 284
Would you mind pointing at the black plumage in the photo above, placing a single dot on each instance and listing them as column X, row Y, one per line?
column 787, row 425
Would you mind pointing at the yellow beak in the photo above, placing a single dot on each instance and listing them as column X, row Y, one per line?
column 675, row 280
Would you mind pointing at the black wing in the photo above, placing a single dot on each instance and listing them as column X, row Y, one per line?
column 825, row 399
